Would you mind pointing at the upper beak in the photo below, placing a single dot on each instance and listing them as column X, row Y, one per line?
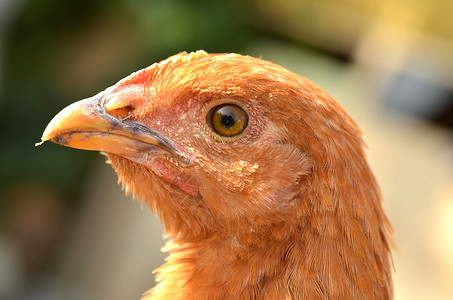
column 86, row 125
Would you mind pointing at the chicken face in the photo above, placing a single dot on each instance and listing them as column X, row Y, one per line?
column 205, row 144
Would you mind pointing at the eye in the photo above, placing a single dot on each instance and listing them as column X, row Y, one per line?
column 227, row 120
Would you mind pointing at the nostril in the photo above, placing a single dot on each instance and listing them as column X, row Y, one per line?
column 122, row 112
column 120, row 107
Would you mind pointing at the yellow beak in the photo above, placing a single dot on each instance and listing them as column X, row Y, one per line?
column 87, row 125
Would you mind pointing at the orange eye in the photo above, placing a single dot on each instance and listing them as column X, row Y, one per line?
column 227, row 120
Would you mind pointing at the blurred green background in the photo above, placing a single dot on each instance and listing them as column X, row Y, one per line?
column 66, row 229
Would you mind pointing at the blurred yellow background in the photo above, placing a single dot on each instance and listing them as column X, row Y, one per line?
column 66, row 229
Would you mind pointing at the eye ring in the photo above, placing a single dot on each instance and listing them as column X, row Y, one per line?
column 227, row 120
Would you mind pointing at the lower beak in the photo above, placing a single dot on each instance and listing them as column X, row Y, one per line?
column 86, row 125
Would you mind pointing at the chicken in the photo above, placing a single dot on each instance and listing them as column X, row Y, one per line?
column 257, row 173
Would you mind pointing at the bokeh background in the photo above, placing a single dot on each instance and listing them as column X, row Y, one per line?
column 66, row 229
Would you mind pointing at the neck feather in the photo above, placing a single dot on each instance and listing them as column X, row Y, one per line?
column 305, row 265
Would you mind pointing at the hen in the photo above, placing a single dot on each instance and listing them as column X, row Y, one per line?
column 257, row 173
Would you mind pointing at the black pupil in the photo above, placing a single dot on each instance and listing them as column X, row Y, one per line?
column 228, row 120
